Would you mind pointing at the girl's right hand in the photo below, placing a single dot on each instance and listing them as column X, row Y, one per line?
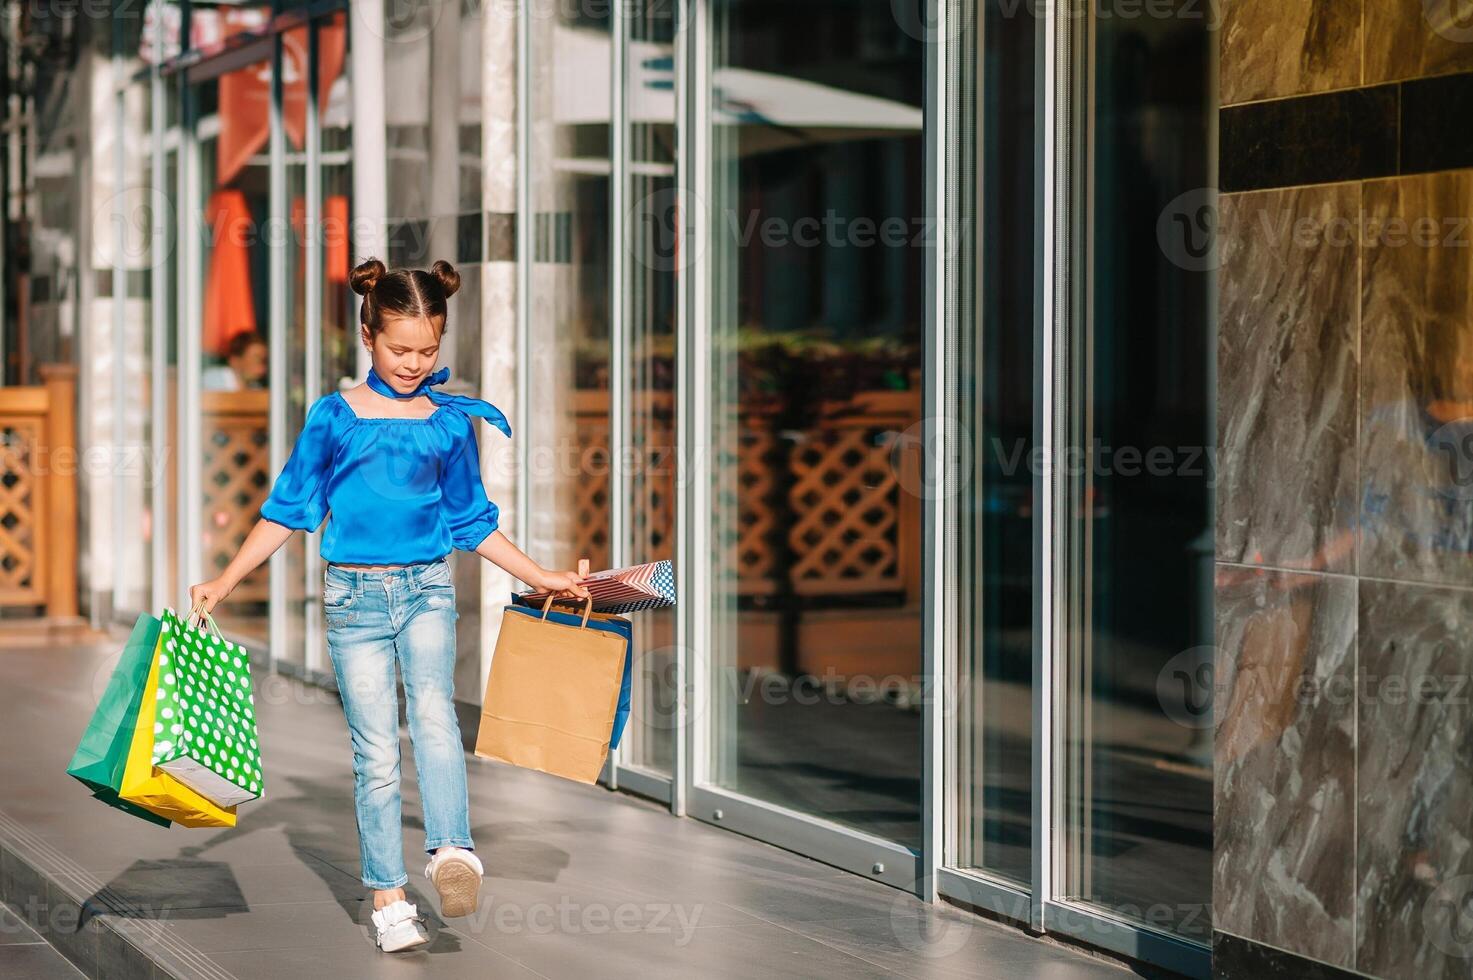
column 558, row 582
column 209, row 594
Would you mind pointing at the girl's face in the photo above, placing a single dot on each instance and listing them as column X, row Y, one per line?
column 405, row 350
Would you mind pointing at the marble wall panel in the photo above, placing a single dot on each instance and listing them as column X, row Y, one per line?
column 1416, row 38
column 1284, row 761
column 1276, row 48
column 1416, row 430
column 1287, row 377
column 1415, row 780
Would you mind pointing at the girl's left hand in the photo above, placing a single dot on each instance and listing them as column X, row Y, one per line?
column 561, row 582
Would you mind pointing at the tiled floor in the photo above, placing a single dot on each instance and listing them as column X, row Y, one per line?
column 24, row 955
column 580, row 881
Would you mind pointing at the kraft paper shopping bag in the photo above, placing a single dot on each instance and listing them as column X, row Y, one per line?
column 552, row 693
column 600, row 621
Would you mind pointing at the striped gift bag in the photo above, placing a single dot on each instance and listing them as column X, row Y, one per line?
column 624, row 590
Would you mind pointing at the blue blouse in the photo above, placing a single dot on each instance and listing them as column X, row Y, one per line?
column 400, row 490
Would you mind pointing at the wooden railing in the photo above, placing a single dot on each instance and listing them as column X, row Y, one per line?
column 38, row 493
column 236, row 474
column 821, row 511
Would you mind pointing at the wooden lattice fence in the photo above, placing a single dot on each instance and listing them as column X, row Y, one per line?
column 38, row 493
column 820, row 512
column 236, row 474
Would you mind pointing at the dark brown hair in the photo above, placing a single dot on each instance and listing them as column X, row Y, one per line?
column 243, row 342
column 410, row 293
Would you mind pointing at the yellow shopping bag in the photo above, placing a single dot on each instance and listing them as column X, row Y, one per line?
column 155, row 789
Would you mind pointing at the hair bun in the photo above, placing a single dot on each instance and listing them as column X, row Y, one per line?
column 448, row 277
column 366, row 275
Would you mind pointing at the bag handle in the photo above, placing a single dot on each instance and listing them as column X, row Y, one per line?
column 204, row 618
column 587, row 603
column 587, row 608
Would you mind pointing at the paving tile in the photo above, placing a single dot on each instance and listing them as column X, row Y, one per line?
column 35, row 961
column 946, row 944
column 445, row 959
column 661, row 949
column 14, row 929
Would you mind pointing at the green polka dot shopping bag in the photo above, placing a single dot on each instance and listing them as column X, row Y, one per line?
column 205, row 723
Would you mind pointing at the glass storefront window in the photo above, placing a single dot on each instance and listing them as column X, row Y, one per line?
column 818, row 309
column 651, row 242
column 568, row 360
column 434, row 190
column 233, row 129
column 993, row 317
column 135, row 222
column 1137, row 771
column 339, row 329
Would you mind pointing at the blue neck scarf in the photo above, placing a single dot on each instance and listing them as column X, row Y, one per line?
column 470, row 406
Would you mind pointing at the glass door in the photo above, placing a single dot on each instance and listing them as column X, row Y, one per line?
column 989, row 203
column 229, row 273
column 1079, row 346
column 651, row 270
column 812, row 340
column 1135, row 782
column 263, row 323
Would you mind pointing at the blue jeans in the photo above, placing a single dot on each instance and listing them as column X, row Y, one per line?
column 375, row 618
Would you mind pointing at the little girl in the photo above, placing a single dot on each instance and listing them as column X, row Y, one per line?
column 396, row 464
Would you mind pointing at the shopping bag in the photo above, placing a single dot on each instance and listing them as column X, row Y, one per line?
column 150, row 787
column 625, row 590
column 553, row 692
column 102, row 753
column 207, row 738
column 603, row 621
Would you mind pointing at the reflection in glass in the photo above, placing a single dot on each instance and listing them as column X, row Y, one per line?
column 816, row 329
column 339, row 329
column 233, row 163
column 651, row 247
column 298, row 547
column 568, row 421
column 166, row 291
column 993, row 309
column 137, row 215
column 1137, row 786
column 434, row 199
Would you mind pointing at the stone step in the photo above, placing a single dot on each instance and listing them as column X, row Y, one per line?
column 98, row 931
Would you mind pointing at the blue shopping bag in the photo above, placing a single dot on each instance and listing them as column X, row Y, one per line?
column 604, row 623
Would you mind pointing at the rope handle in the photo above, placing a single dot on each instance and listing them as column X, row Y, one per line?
column 587, row 608
column 573, row 600
column 204, row 618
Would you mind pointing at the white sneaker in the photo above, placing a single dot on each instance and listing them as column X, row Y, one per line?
column 398, row 927
column 456, row 875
